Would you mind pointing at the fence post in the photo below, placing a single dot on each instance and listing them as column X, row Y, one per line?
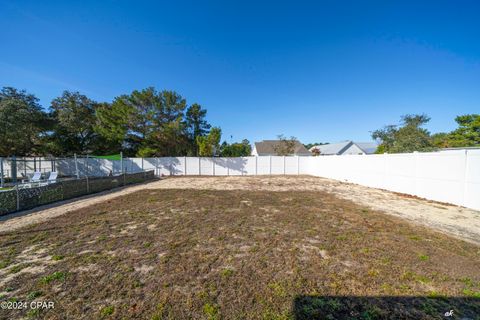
column 199, row 166
column 465, row 168
column 385, row 176
column 86, row 166
column 256, row 165
column 13, row 165
column 185, row 165
column 1, row 173
column 121, row 162
column 284, row 163
column 298, row 165
column 18, row 197
column 270, row 165
column 415, row 171
column 88, row 187
column 213, row 166
column 76, row 166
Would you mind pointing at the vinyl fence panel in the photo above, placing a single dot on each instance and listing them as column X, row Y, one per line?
column 446, row 176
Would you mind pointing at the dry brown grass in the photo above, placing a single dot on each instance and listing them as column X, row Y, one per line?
column 206, row 254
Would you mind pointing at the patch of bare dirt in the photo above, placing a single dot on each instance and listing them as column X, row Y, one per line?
column 461, row 222
column 233, row 254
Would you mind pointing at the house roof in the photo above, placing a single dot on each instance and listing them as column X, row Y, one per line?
column 341, row 147
column 367, row 147
column 268, row 147
column 333, row 148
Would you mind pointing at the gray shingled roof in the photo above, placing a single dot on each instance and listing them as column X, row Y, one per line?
column 367, row 147
column 268, row 147
column 340, row 147
column 333, row 148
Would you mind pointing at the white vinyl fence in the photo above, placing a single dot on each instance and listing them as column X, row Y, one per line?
column 447, row 176
column 275, row 165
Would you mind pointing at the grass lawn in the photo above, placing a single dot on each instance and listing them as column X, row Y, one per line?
column 182, row 254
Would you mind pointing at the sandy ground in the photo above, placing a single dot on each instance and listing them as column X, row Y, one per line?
column 457, row 221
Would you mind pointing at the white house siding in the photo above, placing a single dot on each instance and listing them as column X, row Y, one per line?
column 254, row 151
column 353, row 149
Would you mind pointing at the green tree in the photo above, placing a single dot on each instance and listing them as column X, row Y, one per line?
column 408, row 137
column 75, row 119
column 169, row 140
column 209, row 145
column 169, row 136
column 112, row 125
column 285, row 146
column 23, row 123
column 468, row 132
column 238, row 149
column 440, row 140
column 196, row 125
column 144, row 121
column 140, row 109
column 172, row 107
column 310, row 145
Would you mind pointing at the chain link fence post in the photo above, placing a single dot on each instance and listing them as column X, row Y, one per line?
column 13, row 169
column 1, row 173
column 76, row 166
column 18, row 197
column 88, row 187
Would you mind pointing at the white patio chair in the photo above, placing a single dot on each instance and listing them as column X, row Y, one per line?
column 37, row 176
column 35, row 179
column 52, row 178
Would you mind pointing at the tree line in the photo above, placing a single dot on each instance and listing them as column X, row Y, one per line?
column 410, row 135
column 144, row 123
column 151, row 123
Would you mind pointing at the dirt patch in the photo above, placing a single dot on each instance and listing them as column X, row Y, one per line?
column 460, row 222
column 457, row 221
column 217, row 254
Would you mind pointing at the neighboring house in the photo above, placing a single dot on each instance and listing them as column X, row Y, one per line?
column 267, row 148
column 346, row 147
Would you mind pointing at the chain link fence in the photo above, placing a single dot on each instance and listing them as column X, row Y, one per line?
column 17, row 199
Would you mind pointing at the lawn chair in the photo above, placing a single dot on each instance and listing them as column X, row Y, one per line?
column 52, row 178
column 35, row 179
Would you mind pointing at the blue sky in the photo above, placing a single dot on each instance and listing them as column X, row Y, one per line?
column 317, row 70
